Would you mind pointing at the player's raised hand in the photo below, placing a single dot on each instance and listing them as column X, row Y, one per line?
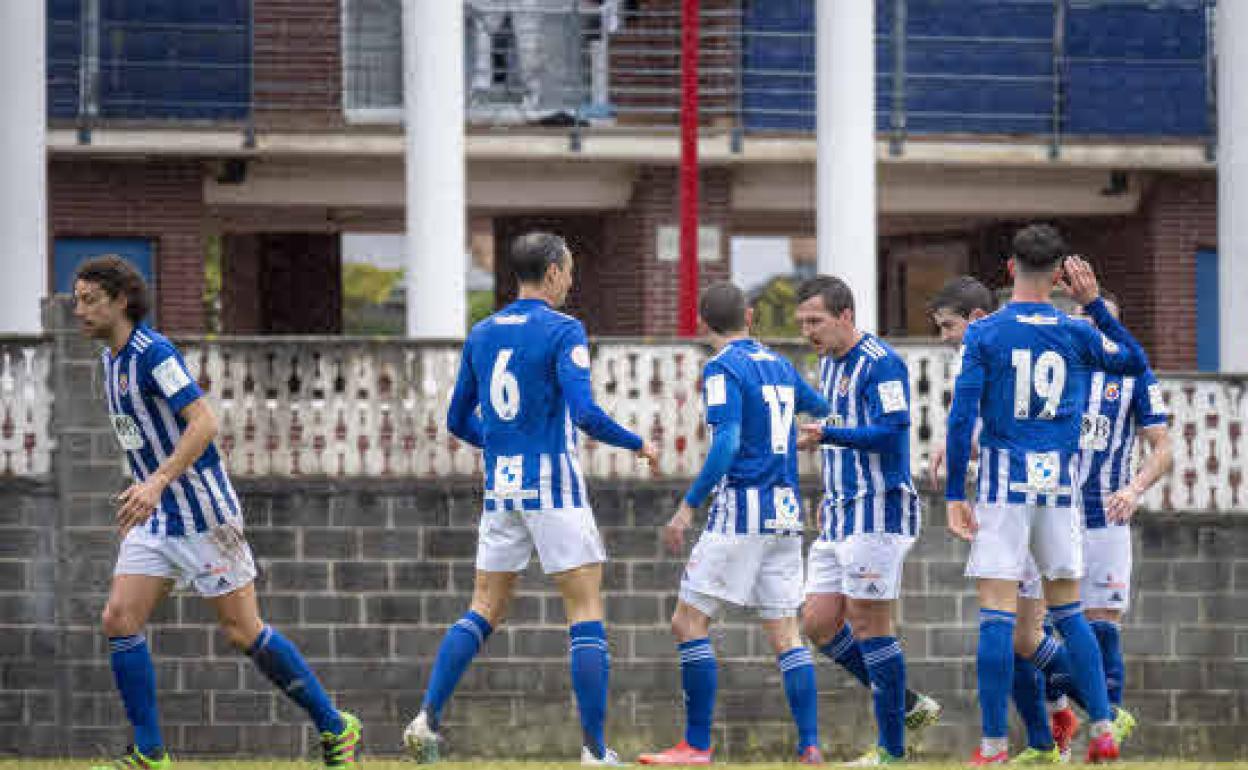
column 1079, row 280
column 1122, row 505
column 139, row 502
column 650, row 453
column 674, row 531
column 962, row 521
column 809, row 436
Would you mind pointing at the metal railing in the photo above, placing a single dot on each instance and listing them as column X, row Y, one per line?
column 1007, row 67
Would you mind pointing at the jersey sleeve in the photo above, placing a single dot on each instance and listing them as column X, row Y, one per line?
column 809, row 400
column 164, row 373
column 964, row 415
column 461, row 417
column 1148, row 405
column 721, row 393
column 572, row 368
column 1109, row 346
column 887, row 393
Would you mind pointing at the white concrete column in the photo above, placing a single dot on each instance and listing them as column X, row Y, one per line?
column 846, row 150
column 1232, row 50
column 23, row 158
column 433, row 108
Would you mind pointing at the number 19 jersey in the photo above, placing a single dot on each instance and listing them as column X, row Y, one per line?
column 1033, row 363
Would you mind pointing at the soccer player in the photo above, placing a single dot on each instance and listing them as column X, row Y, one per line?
column 960, row 302
column 180, row 520
column 526, row 368
column 750, row 554
column 1027, row 368
column 870, row 513
column 1119, row 408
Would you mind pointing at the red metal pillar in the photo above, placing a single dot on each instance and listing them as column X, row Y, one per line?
column 688, row 309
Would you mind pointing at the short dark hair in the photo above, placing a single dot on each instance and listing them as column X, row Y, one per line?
column 836, row 294
column 533, row 253
column 962, row 294
column 1037, row 248
column 722, row 307
column 117, row 277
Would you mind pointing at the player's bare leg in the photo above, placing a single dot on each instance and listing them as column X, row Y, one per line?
column 492, row 593
column 238, row 614
column 1062, row 597
column 131, row 601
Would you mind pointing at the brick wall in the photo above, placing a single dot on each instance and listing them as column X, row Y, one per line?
column 366, row 576
column 160, row 200
column 298, row 64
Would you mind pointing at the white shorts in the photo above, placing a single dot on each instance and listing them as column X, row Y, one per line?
column 862, row 566
column 760, row 572
column 1107, row 583
column 215, row 563
column 1031, row 586
column 1009, row 532
column 565, row 538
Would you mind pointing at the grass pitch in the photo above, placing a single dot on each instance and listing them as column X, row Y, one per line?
column 392, row 764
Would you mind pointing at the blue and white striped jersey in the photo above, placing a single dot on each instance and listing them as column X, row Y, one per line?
column 758, row 389
column 867, row 491
column 147, row 385
column 1026, row 370
column 527, row 369
column 1118, row 407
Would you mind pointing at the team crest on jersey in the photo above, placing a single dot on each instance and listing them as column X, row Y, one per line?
column 842, row 387
column 123, row 383
column 1112, row 391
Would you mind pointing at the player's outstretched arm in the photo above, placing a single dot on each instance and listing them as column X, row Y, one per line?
column 1148, row 410
column 1118, row 352
column 573, row 372
column 887, row 393
column 809, row 400
column 462, row 419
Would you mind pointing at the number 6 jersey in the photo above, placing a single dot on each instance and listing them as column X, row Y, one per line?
column 527, row 369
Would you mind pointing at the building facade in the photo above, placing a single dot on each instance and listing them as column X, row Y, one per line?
column 227, row 147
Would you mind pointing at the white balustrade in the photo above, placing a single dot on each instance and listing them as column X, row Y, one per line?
column 25, row 407
column 376, row 408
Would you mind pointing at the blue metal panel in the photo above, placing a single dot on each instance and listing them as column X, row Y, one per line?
column 69, row 253
column 64, row 52
column 1207, row 311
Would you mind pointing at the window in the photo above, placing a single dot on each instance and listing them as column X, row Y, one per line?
column 373, row 59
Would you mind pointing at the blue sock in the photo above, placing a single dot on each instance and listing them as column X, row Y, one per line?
column 994, row 668
column 798, row 669
column 1029, row 700
column 1088, row 673
column 887, row 668
column 1110, row 641
column 699, row 676
column 462, row 642
column 591, row 669
column 136, row 681
column 281, row 662
column 1054, row 662
column 844, row 650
